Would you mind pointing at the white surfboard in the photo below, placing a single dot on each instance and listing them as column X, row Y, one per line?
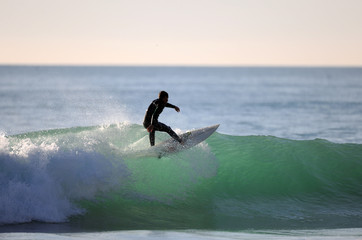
column 189, row 139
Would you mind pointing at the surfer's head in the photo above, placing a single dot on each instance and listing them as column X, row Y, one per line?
column 163, row 96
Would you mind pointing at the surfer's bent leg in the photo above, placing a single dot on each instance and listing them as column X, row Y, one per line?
column 152, row 137
column 164, row 128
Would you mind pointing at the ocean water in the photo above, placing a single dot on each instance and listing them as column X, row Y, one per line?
column 285, row 163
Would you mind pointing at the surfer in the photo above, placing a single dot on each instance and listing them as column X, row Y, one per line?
column 151, row 122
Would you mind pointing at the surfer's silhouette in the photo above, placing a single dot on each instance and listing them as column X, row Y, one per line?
column 151, row 122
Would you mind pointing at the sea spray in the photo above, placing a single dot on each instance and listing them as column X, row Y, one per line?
column 43, row 174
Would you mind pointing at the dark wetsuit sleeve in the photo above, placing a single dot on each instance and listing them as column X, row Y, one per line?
column 169, row 105
column 153, row 114
column 149, row 114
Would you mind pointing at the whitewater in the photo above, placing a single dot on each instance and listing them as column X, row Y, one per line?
column 285, row 163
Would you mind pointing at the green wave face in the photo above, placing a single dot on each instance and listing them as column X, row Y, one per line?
column 225, row 183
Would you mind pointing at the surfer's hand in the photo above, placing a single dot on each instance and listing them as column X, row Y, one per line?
column 150, row 128
column 177, row 109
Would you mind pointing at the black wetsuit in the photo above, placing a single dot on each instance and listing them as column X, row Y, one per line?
column 151, row 118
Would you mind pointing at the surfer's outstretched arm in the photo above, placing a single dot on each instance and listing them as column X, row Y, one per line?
column 169, row 105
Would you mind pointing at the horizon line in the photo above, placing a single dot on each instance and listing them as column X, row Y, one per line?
column 175, row 65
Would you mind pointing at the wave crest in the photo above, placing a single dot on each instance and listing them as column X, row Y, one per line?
column 227, row 182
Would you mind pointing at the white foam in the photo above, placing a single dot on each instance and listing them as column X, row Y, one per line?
column 41, row 181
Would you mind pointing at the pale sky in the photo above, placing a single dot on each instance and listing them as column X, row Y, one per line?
column 182, row 32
